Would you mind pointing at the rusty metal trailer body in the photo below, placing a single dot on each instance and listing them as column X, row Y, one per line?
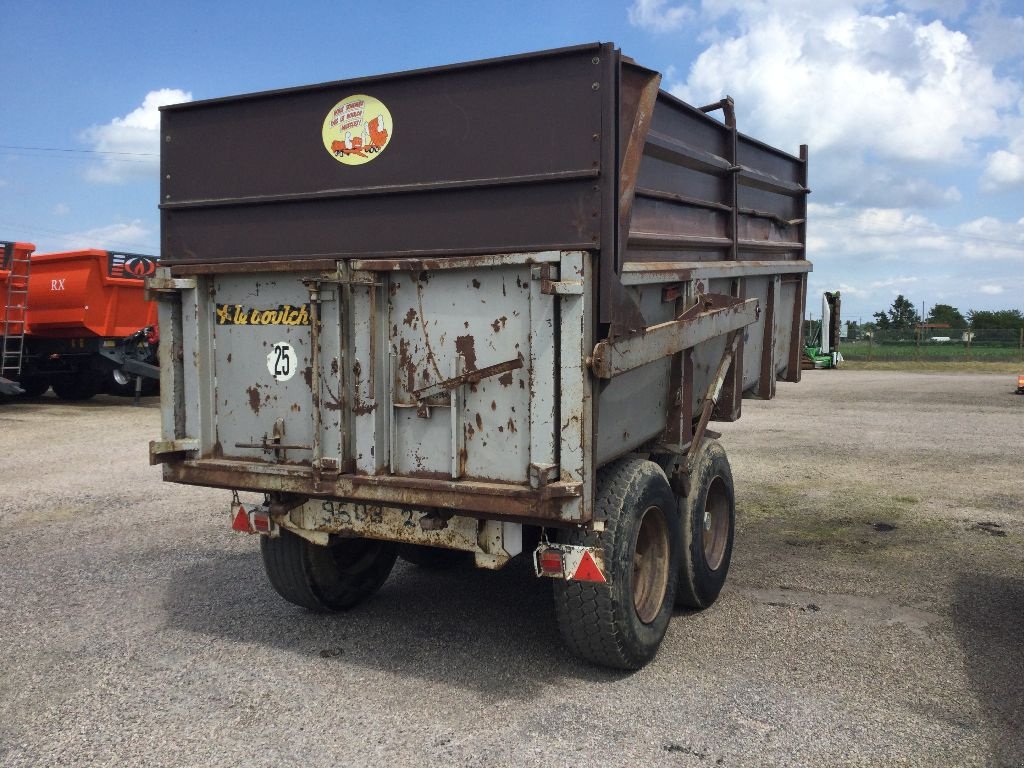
column 546, row 267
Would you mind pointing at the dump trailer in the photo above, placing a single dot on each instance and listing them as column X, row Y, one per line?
column 90, row 327
column 14, row 281
column 503, row 331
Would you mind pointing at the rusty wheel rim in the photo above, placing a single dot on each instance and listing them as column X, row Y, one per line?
column 650, row 565
column 716, row 524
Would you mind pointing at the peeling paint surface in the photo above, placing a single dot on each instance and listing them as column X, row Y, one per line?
column 480, row 315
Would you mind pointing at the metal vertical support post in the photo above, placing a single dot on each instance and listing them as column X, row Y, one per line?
column 543, row 380
column 455, row 400
column 201, row 378
column 390, row 364
column 576, row 405
column 315, row 388
column 766, row 382
column 729, row 406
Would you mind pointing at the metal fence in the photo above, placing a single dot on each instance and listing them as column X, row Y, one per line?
column 937, row 345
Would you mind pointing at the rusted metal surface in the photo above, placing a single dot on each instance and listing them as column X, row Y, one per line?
column 492, row 542
column 641, row 273
column 711, row 397
column 613, row 358
column 468, row 377
column 486, row 500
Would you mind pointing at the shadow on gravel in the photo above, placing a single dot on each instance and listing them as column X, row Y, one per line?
column 490, row 631
column 988, row 618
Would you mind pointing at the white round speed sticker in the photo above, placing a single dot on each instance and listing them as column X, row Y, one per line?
column 282, row 361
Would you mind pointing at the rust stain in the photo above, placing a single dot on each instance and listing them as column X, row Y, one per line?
column 410, row 317
column 476, row 283
column 522, row 384
column 464, row 345
column 254, row 398
column 499, row 323
column 470, row 431
column 511, row 426
column 359, row 408
column 501, row 428
column 405, row 362
column 307, row 374
column 426, row 337
column 505, row 379
column 334, row 366
column 229, row 357
column 296, row 408
column 494, row 406
column 393, row 288
column 479, row 422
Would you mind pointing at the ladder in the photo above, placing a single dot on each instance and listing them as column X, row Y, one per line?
column 14, row 310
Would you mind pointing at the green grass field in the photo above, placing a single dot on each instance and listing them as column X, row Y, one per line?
column 943, row 366
column 930, row 352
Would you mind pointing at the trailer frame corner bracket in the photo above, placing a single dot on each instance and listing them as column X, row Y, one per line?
column 612, row 358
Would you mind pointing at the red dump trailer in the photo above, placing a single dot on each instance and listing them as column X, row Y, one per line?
column 503, row 334
column 89, row 327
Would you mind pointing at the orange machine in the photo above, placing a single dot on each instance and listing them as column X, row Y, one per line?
column 88, row 326
column 90, row 293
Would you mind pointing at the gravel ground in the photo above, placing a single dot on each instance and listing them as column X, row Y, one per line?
column 873, row 614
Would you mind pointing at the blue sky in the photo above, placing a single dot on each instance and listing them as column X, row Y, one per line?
column 913, row 110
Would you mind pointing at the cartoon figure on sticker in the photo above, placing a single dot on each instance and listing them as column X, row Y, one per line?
column 357, row 129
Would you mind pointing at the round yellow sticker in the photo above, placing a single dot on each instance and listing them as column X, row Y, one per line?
column 357, row 129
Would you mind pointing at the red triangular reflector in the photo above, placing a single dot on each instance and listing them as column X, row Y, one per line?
column 588, row 570
column 241, row 521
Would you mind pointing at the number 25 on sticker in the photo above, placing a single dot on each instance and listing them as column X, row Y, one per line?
column 282, row 361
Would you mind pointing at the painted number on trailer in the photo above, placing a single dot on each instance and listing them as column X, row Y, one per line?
column 282, row 361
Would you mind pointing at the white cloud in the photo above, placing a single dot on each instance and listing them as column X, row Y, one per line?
column 878, row 253
column 658, row 15
column 118, row 236
column 132, row 142
column 991, row 290
column 828, row 75
column 61, row 209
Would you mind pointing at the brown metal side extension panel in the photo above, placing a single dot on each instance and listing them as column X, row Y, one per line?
column 498, row 156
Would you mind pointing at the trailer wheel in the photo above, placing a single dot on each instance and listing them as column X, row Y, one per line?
column 434, row 558
column 77, row 386
column 621, row 623
column 33, row 386
column 709, row 521
column 324, row 579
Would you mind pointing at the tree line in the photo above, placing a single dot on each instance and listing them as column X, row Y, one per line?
column 903, row 316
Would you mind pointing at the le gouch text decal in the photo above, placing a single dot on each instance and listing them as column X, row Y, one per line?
column 357, row 129
column 283, row 314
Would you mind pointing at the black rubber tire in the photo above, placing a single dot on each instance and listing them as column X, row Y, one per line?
column 600, row 622
column 710, row 482
column 434, row 558
column 326, row 579
column 111, row 387
column 76, row 386
column 33, row 386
